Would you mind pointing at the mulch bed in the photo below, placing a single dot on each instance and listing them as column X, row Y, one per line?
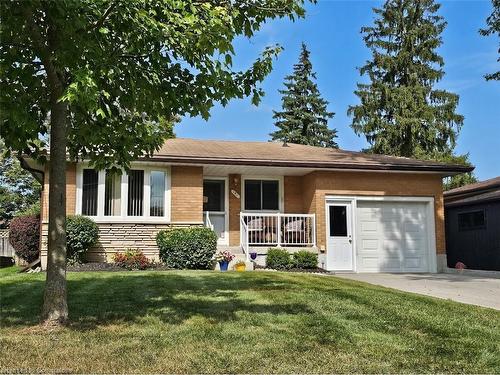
column 296, row 270
column 110, row 267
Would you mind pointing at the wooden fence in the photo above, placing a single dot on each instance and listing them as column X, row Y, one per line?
column 6, row 249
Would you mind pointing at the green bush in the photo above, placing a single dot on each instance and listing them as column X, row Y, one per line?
column 191, row 248
column 81, row 234
column 304, row 259
column 278, row 259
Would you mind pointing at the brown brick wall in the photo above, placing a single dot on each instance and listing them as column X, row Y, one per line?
column 187, row 194
column 234, row 209
column 378, row 184
column 70, row 192
column 293, row 194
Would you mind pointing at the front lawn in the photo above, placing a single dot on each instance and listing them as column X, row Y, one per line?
column 257, row 322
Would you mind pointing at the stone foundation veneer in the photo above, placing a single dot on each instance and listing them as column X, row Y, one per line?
column 118, row 237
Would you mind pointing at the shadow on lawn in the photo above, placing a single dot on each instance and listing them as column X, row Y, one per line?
column 171, row 297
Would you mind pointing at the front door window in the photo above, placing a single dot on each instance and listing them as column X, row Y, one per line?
column 214, row 192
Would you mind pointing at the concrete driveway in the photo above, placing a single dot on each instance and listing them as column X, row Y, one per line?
column 474, row 290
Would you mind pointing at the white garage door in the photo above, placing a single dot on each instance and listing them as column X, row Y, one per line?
column 391, row 237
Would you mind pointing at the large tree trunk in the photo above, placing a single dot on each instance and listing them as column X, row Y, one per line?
column 55, row 307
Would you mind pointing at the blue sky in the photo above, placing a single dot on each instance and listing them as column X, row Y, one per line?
column 331, row 30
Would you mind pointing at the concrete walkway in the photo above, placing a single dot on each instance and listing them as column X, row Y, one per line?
column 474, row 290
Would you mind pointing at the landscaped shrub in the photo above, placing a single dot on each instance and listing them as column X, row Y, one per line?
column 191, row 248
column 278, row 259
column 304, row 259
column 24, row 236
column 132, row 260
column 81, row 234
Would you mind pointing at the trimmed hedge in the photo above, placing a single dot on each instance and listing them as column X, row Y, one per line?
column 304, row 259
column 278, row 259
column 24, row 236
column 81, row 234
column 187, row 248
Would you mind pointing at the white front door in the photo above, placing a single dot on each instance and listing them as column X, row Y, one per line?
column 339, row 236
column 215, row 206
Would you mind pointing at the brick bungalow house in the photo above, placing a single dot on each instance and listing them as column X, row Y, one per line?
column 360, row 212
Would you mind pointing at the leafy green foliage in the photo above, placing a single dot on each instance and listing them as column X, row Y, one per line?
column 81, row 234
column 132, row 260
column 304, row 119
column 460, row 179
column 493, row 27
column 278, row 259
column 128, row 69
column 401, row 112
column 19, row 191
column 304, row 259
column 187, row 248
column 24, row 236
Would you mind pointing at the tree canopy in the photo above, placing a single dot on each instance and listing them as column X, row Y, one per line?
column 127, row 68
column 107, row 79
column 19, row 191
column 401, row 112
column 304, row 118
column 493, row 27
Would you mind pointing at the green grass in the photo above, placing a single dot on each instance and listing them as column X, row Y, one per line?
column 254, row 322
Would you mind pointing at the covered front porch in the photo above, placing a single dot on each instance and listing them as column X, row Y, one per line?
column 251, row 212
column 276, row 230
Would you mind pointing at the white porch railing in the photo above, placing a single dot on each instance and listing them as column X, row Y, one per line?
column 277, row 229
column 208, row 222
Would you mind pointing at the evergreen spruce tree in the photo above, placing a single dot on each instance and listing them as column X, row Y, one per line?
column 401, row 112
column 493, row 23
column 304, row 119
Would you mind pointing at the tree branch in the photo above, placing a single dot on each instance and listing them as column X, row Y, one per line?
column 103, row 18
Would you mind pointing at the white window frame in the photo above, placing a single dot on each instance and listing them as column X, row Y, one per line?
column 264, row 178
column 123, row 217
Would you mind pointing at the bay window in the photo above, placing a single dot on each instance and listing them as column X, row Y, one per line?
column 139, row 194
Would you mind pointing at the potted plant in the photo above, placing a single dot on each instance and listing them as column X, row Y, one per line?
column 240, row 266
column 224, row 257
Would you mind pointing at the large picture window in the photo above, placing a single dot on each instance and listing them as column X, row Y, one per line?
column 140, row 194
column 89, row 192
column 135, row 192
column 112, row 194
column 157, row 193
column 262, row 195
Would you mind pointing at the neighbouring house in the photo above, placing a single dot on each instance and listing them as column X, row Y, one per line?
column 361, row 212
column 472, row 214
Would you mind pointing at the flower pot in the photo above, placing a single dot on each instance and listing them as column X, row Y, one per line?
column 240, row 267
column 223, row 265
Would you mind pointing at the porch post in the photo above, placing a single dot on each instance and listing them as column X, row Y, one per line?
column 278, row 231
